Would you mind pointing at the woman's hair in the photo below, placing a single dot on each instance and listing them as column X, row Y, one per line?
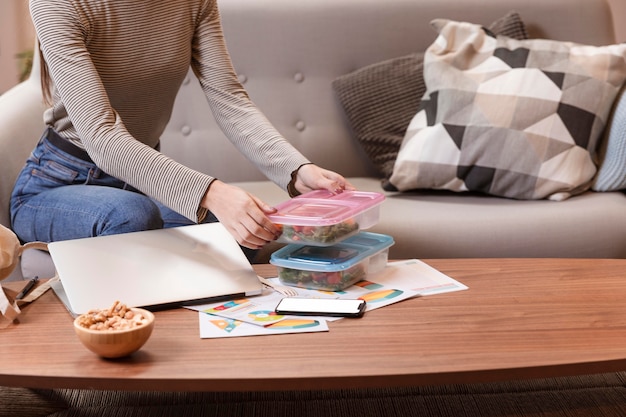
column 46, row 81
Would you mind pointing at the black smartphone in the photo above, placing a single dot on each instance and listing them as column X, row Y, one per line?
column 333, row 307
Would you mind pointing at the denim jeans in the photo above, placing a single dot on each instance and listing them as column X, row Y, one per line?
column 58, row 197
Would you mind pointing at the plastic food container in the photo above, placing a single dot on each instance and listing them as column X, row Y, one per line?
column 332, row 268
column 322, row 218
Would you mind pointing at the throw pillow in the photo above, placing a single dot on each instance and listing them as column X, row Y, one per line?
column 510, row 118
column 380, row 100
column 611, row 174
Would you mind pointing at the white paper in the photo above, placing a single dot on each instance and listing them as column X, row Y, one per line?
column 257, row 310
column 417, row 276
column 212, row 326
column 254, row 316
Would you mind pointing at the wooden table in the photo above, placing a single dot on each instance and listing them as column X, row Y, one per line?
column 520, row 318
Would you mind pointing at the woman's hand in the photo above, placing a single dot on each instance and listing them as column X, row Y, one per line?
column 311, row 177
column 243, row 215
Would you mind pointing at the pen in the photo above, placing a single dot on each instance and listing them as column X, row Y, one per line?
column 29, row 286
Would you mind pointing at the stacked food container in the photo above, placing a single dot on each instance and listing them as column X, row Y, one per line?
column 327, row 248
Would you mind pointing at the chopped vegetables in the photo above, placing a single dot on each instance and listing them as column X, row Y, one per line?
column 319, row 234
column 327, row 281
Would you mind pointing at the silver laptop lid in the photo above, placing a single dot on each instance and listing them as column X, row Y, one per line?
column 154, row 269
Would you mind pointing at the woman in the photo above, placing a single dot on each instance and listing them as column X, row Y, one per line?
column 112, row 71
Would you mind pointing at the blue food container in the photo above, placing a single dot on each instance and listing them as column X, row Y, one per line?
column 332, row 268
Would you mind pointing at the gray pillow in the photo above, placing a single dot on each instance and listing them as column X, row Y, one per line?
column 380, row 100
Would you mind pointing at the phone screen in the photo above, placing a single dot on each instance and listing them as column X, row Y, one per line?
column 321, row 307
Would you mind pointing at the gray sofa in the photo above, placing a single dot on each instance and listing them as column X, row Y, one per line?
column 287, row 55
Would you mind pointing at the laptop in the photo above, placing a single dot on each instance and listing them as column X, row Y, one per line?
column 155, row 269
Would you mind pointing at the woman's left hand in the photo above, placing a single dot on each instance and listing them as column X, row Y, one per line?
column 311, row 177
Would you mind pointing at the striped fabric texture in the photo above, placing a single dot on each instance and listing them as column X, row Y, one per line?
column 510, row 118
column 612, row 171
column 380, row 100
column 117, row 66
column 596, row 395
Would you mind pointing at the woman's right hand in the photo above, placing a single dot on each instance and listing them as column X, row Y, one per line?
column 243, row 215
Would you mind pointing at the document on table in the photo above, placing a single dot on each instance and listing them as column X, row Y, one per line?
column 258, row 310
column 417, row 276
column 255, row 316
column 212, row 326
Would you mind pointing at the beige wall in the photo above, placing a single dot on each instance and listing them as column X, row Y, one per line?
column 16, row 35
column 619, row 17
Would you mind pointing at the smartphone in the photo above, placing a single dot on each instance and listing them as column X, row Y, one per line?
column 334, row 307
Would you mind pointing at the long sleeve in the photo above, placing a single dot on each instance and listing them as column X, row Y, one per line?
column 117, row 66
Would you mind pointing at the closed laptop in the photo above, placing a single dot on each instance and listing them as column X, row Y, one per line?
column 154, row 269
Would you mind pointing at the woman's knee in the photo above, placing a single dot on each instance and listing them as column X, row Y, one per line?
column 80, row 211
column 134, row 214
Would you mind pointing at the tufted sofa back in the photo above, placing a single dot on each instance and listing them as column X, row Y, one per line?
column 288, row 52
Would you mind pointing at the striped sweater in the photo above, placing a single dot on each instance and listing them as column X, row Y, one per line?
column 117, row 66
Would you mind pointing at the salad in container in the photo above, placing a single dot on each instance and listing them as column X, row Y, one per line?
column 332, row 268
column 322, row 218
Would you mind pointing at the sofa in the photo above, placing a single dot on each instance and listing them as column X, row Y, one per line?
column 290, row 55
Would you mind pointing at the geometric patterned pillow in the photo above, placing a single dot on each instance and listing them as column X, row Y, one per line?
column 379, row 100
column 510, row 118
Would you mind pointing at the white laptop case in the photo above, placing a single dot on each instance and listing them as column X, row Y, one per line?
column 154, row 269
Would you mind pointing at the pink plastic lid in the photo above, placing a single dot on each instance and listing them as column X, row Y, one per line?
column 322, row 208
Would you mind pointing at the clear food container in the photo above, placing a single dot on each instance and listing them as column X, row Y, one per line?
column 322, row 218
column 332, row 268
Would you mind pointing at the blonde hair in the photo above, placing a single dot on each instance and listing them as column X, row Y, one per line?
column 46, row 81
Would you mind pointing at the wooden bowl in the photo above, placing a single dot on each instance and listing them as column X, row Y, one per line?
column 116, row 343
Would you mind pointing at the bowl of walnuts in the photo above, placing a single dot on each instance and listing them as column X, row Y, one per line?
column 116, row 331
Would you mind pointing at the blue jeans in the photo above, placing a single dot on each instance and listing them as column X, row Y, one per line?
column 58, row 196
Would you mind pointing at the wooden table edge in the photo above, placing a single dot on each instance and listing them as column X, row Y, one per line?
column 312, row 383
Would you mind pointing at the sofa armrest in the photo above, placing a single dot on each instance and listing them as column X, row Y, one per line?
column 21, row 125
